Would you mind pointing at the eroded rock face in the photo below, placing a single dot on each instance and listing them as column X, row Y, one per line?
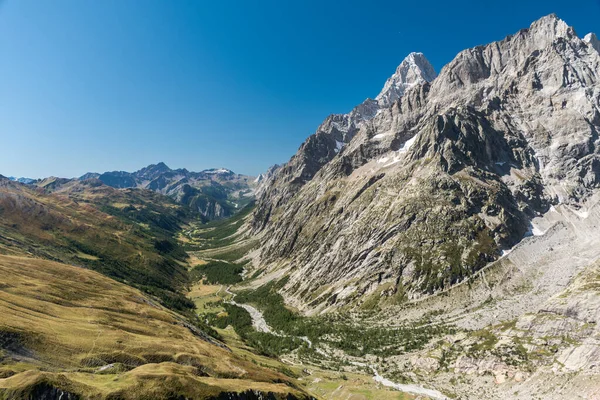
column 427, row 190
column 333, row 135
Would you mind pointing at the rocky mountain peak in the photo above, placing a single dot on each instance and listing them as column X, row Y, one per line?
column 153, row 171
column 338, row 130
column 414, row 69
column 160, row 167
column 593, row 41
column 547, row 29
column 506, row 131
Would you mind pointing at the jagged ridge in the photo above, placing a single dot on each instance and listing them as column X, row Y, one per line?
column 430, row 189
column 215, row 193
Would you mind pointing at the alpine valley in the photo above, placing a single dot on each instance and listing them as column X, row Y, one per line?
column 438, row 241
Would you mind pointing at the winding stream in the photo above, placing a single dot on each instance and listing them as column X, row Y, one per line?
column 408, row 388
column 258, row 321
column 260, row 324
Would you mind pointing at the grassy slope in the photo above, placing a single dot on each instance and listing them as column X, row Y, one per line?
column 129, row 240
column 93, row 325
column 61, row 323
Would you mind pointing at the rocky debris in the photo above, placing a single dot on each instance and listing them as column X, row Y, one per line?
column 531, row 318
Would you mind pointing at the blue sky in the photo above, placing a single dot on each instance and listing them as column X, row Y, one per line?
column 88, row 85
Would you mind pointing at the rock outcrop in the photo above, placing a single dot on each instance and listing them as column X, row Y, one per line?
column 334, row 134
column 426, row 190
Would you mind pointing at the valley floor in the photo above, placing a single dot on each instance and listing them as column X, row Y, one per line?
column 524, row 327
column 324, row 383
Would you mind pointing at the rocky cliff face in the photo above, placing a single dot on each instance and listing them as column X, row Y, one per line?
column 414, row 70
column 215, row 193
column 592, row 40
column 425, row 185
column 334, row 134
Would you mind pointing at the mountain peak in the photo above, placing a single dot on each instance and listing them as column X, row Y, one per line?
column 158, row 168
column 414, row 69
column 162, row 165
column 550, row 27
column 593, row 41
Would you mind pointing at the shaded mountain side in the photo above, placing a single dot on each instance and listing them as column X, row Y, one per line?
column 71, row 333
column 127, row 235
column 439, row 183
column 215, row 193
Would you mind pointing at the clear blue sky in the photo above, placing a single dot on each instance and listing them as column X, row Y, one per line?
column 96, row 85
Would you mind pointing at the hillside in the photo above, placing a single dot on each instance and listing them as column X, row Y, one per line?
column 124, row 235
column 67, row 332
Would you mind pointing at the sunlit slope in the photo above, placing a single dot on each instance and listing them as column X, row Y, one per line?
column 68, row 329
column 123, row 235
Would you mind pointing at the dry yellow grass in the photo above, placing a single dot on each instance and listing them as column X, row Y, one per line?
column 85, row 256
column 335, row 386
column 201, row 290
column 120, row 205
column 63, row 226
column 71, row 321
column 194, row 260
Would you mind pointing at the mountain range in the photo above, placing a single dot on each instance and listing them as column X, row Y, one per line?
column 468, row 196
column 214, row 193
column 27, row 181
column 440, row 239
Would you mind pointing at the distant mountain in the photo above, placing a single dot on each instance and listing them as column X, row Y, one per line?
column 27, row 181
column 215, row 193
